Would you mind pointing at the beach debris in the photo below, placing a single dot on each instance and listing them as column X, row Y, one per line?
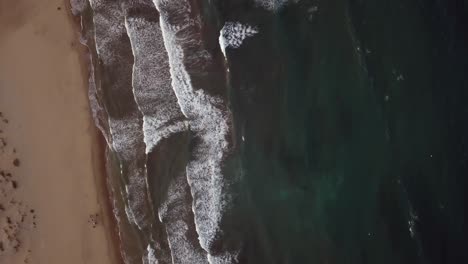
column 93, row 219
column 15, row 217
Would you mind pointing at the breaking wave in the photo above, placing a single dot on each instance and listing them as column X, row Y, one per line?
column 146, row 103
column 233, row 34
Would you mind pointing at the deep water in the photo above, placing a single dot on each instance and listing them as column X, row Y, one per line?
column 354, row 117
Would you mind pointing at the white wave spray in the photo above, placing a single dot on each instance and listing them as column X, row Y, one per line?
column 233, row 34
column 208, row 118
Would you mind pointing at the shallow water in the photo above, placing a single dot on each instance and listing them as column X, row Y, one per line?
column 284, row 131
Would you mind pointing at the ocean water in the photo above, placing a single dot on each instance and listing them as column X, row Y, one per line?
column 283, row 131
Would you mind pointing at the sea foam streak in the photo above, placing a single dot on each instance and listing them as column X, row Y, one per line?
column 124, row 118
column 152, row 82
column 208, row 118
column 273, row 5
column 162, row 118
column 176, row 214
column 150, row 258
column 125, row 126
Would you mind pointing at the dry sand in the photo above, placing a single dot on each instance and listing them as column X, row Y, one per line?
column 53, row 206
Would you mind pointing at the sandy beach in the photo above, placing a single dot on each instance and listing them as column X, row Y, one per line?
column 53, row 200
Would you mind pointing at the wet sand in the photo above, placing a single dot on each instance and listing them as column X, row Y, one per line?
column 54, row 206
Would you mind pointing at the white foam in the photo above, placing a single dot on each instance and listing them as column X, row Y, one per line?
column 97, row 111
column 129, row 213
column 151, row 256
column 272, row 5
column 233, row 34
column 77, row 6
column 162, row 117
column 152, row 83
column 208, row 118
column 126, row 134
column 174, row 212
column 154, row 133
column 125, row 130
column 116, row 212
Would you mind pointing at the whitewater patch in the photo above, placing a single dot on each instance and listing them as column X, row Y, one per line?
column 233, row 34
column 177, row 216
column 126, row 133
column 208, row 118
column 162, row 118
column 273, row 5
column 77, row 6
column 129, row 214
column 151, row 82
column 149, row 96
column 150, row 258
column 125, row 119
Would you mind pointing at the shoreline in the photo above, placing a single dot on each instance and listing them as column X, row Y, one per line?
column 110, row 222
column 99, row 148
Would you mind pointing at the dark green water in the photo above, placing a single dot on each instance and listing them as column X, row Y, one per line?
column 355, row 126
